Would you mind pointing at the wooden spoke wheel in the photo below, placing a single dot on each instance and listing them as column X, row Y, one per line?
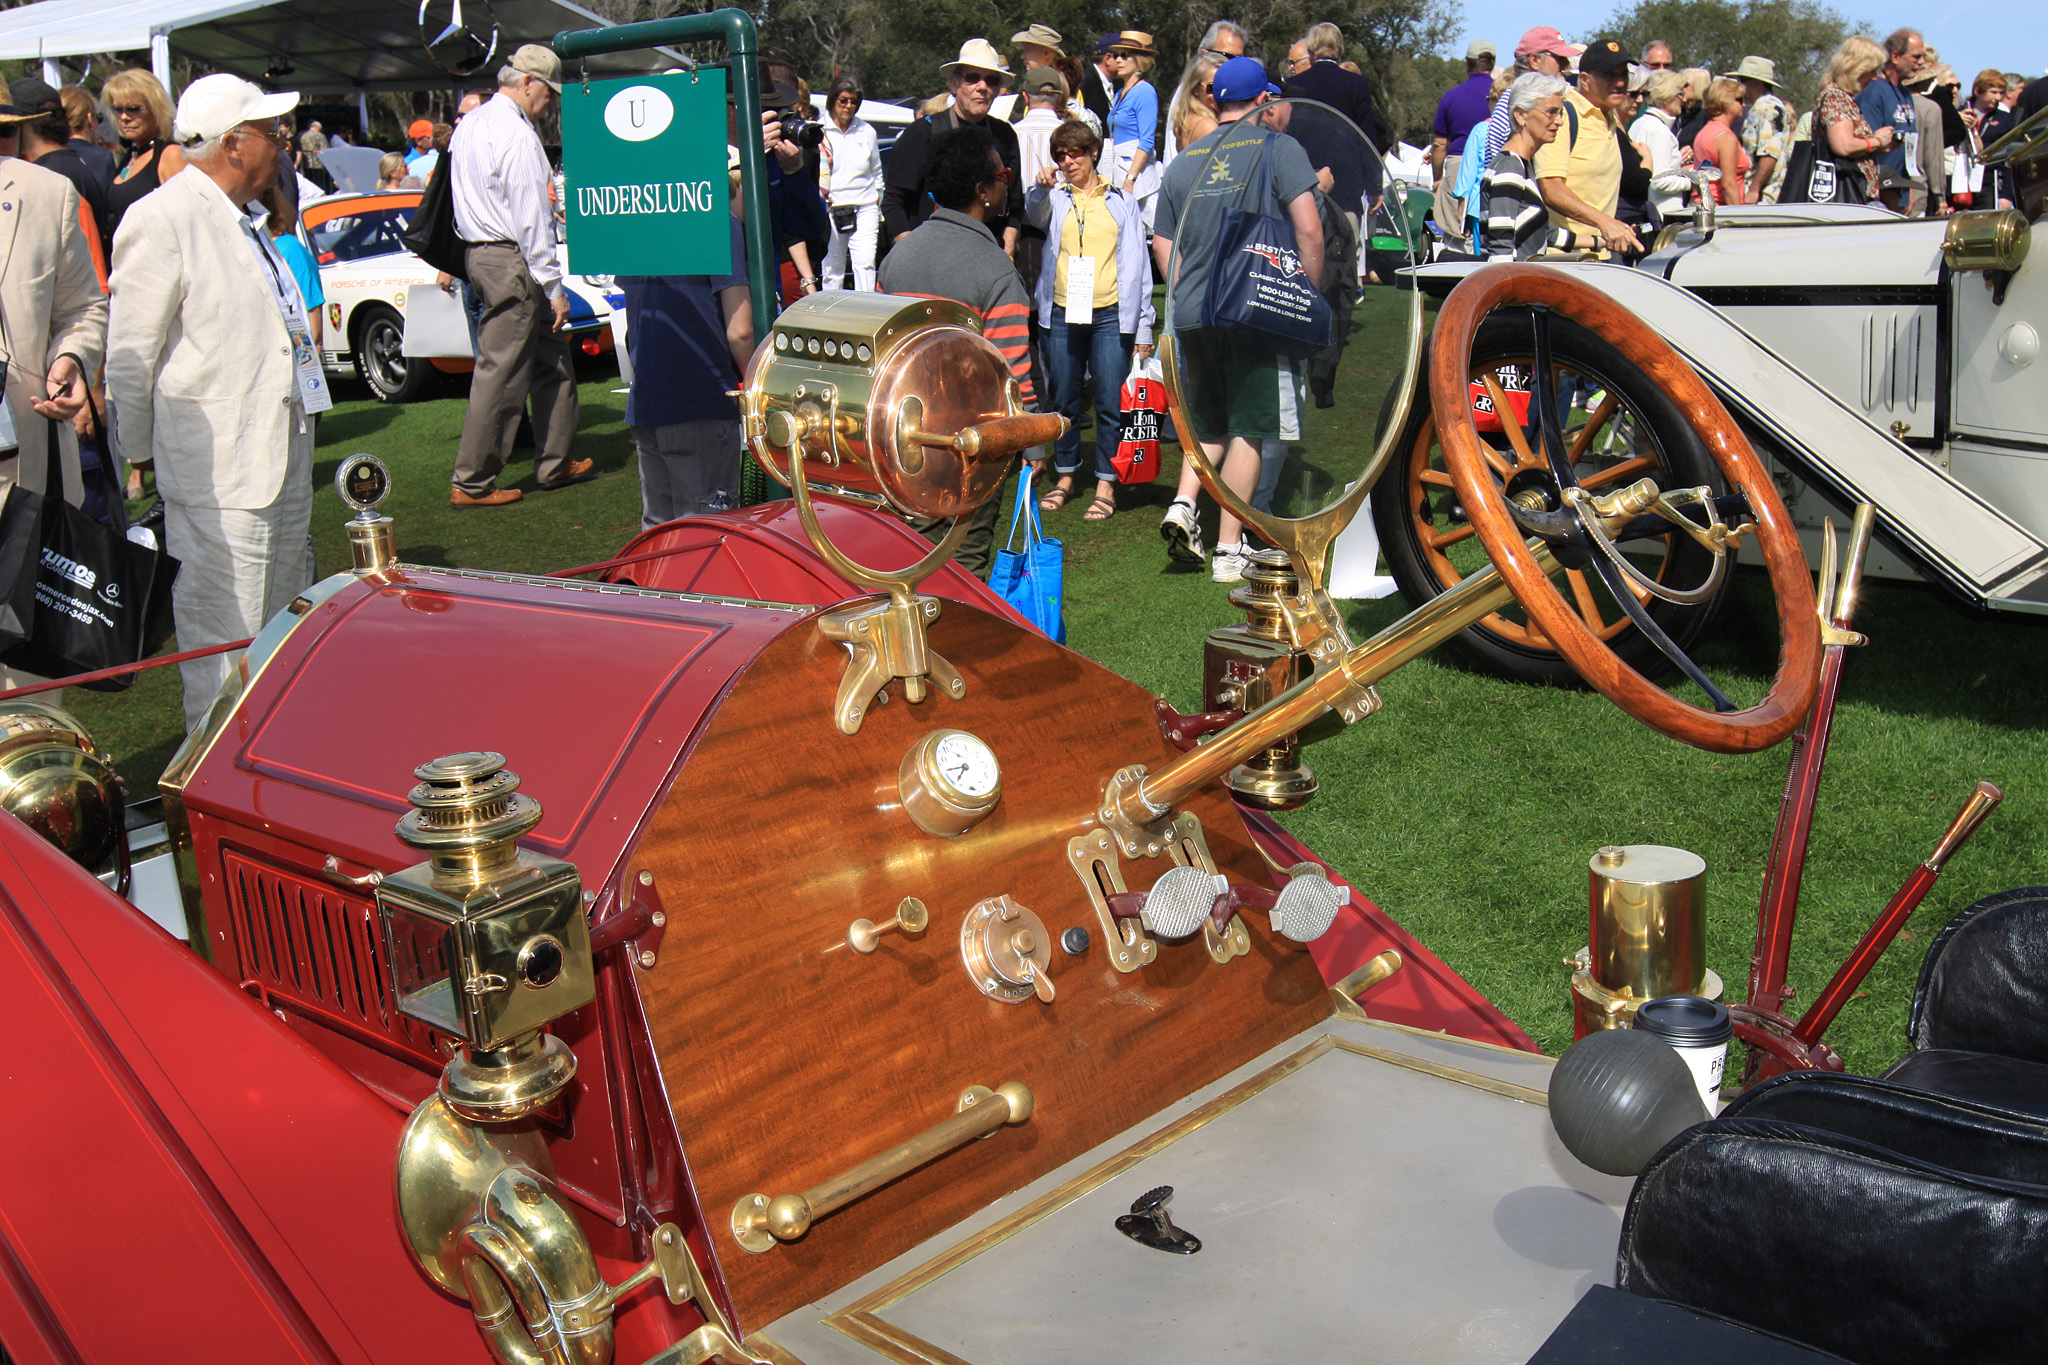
column 1479, row 475
column 1621, row 429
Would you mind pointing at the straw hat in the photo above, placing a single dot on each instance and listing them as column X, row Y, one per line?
column 980, row 54
column 1755, row 69
column 1038, row 35
column 1136, row 43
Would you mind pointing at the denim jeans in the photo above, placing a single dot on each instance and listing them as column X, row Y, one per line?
column 1073, row 352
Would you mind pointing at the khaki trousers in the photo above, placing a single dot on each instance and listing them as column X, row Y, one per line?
column 518, row 355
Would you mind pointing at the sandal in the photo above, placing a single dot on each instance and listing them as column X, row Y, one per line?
column 1055, row 498
column 1102, row 509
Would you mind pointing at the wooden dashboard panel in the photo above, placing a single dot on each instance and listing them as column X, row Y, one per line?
column 788, row 1059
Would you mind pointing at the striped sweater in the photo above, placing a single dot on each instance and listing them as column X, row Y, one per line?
column 952, row 256
column 1515, row 219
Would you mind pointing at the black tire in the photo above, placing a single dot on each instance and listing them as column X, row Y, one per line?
column 381, row 361
column 1407, row 509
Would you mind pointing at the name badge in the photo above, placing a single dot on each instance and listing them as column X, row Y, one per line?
column 1080, row 290
column 313, row 391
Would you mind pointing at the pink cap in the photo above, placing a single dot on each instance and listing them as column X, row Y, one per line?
column 1544, row 40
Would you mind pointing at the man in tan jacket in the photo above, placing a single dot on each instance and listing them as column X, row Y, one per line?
column 53, row 327
column 208, row 373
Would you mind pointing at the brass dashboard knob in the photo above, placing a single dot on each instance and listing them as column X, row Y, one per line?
column 1007, row 951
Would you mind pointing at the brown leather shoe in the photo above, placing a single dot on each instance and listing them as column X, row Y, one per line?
column 497, row 497
column 575, row 471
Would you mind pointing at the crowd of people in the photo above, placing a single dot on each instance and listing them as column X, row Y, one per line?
column 1585, row 147
column 1061, row 244
column 161, row 273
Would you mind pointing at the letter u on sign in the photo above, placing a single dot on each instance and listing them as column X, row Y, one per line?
column 638, row 113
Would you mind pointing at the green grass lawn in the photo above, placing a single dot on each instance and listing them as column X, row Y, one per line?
column 1468, row 807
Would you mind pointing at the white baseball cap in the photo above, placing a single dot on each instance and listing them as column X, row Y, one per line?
column 213, row 104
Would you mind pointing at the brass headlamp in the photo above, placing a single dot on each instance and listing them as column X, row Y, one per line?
column 900, row 398
column 55, row 780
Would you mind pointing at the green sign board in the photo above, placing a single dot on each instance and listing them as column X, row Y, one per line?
column 643, row 164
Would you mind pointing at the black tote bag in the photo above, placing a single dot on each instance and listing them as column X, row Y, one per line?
column 1815, row 177
column 430, row 234
column 1257, row 284
column 95, row 592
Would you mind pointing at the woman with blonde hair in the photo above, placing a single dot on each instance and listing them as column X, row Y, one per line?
column 1839, row 127
column 1718, row 146
column 1653, row 130
column 391, row 171
column 143, row 114
column 1191, row 113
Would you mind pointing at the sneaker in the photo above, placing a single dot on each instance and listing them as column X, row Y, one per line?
column 1182, row 536
column 1229, row 564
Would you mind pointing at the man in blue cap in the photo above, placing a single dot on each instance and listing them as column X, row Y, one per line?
column 1239, row 393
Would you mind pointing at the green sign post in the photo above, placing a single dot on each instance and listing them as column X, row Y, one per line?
column 644, row 169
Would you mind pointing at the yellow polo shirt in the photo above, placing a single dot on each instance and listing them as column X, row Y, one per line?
column 1089, row 230
column 1591, row 166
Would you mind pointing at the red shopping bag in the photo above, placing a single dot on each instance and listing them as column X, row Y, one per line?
column 1144, row 404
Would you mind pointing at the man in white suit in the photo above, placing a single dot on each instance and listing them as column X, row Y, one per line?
column 208, row 368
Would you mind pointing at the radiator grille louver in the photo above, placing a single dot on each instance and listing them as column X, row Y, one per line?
column 316, row 951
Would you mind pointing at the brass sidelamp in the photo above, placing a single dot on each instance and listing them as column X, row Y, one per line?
column 487, row 942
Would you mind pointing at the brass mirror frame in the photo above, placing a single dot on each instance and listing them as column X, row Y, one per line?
column 1306, row 540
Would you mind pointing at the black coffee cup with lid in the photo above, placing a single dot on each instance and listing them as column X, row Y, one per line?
column 1699, row 1030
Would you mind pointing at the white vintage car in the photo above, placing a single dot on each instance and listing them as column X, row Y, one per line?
column 368, row 276
column 1867, row 357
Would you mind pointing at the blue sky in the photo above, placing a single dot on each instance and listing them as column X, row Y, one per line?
column 1969, row 34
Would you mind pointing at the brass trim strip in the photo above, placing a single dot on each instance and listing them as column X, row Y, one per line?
column 1505, row 1089
column 1458, row 1038
column 858, row 1320
column 605, row 589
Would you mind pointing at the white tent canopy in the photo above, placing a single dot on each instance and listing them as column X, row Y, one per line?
column 312, row 46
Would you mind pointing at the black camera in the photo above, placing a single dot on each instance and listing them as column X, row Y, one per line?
column 804, row 132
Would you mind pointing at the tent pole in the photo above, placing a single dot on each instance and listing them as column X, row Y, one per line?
column 160, row 60
column 53, row 74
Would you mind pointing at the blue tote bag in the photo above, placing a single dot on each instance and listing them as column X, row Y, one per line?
column 1033, row 578
column 1257, row 284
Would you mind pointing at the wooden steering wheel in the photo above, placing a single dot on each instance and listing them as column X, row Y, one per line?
column 1584, row 530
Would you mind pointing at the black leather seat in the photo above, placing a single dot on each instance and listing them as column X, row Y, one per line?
column 1979, row 1024
column 1859, row 1216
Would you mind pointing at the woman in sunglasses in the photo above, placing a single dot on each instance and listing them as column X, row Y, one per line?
column 852, row 182
column 1515, row 222
column 1094, row 296
column 141, row 109
column 1134, row 119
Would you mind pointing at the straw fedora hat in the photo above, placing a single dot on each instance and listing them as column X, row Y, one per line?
column 980, row 54
column 1756, row 69
column 1132, row 41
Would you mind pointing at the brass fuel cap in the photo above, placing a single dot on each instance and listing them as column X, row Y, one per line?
column 467, row 811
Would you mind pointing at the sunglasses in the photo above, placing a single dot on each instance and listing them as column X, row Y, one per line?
column 1218, row 52
column 1070, row 154
column 1658, row 66
column 980, row 78
column 1208, row 87
column 129, row 110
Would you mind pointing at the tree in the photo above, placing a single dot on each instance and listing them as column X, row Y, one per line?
column 1799, row 35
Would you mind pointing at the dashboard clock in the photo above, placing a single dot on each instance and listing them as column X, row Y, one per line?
column 949, row 781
